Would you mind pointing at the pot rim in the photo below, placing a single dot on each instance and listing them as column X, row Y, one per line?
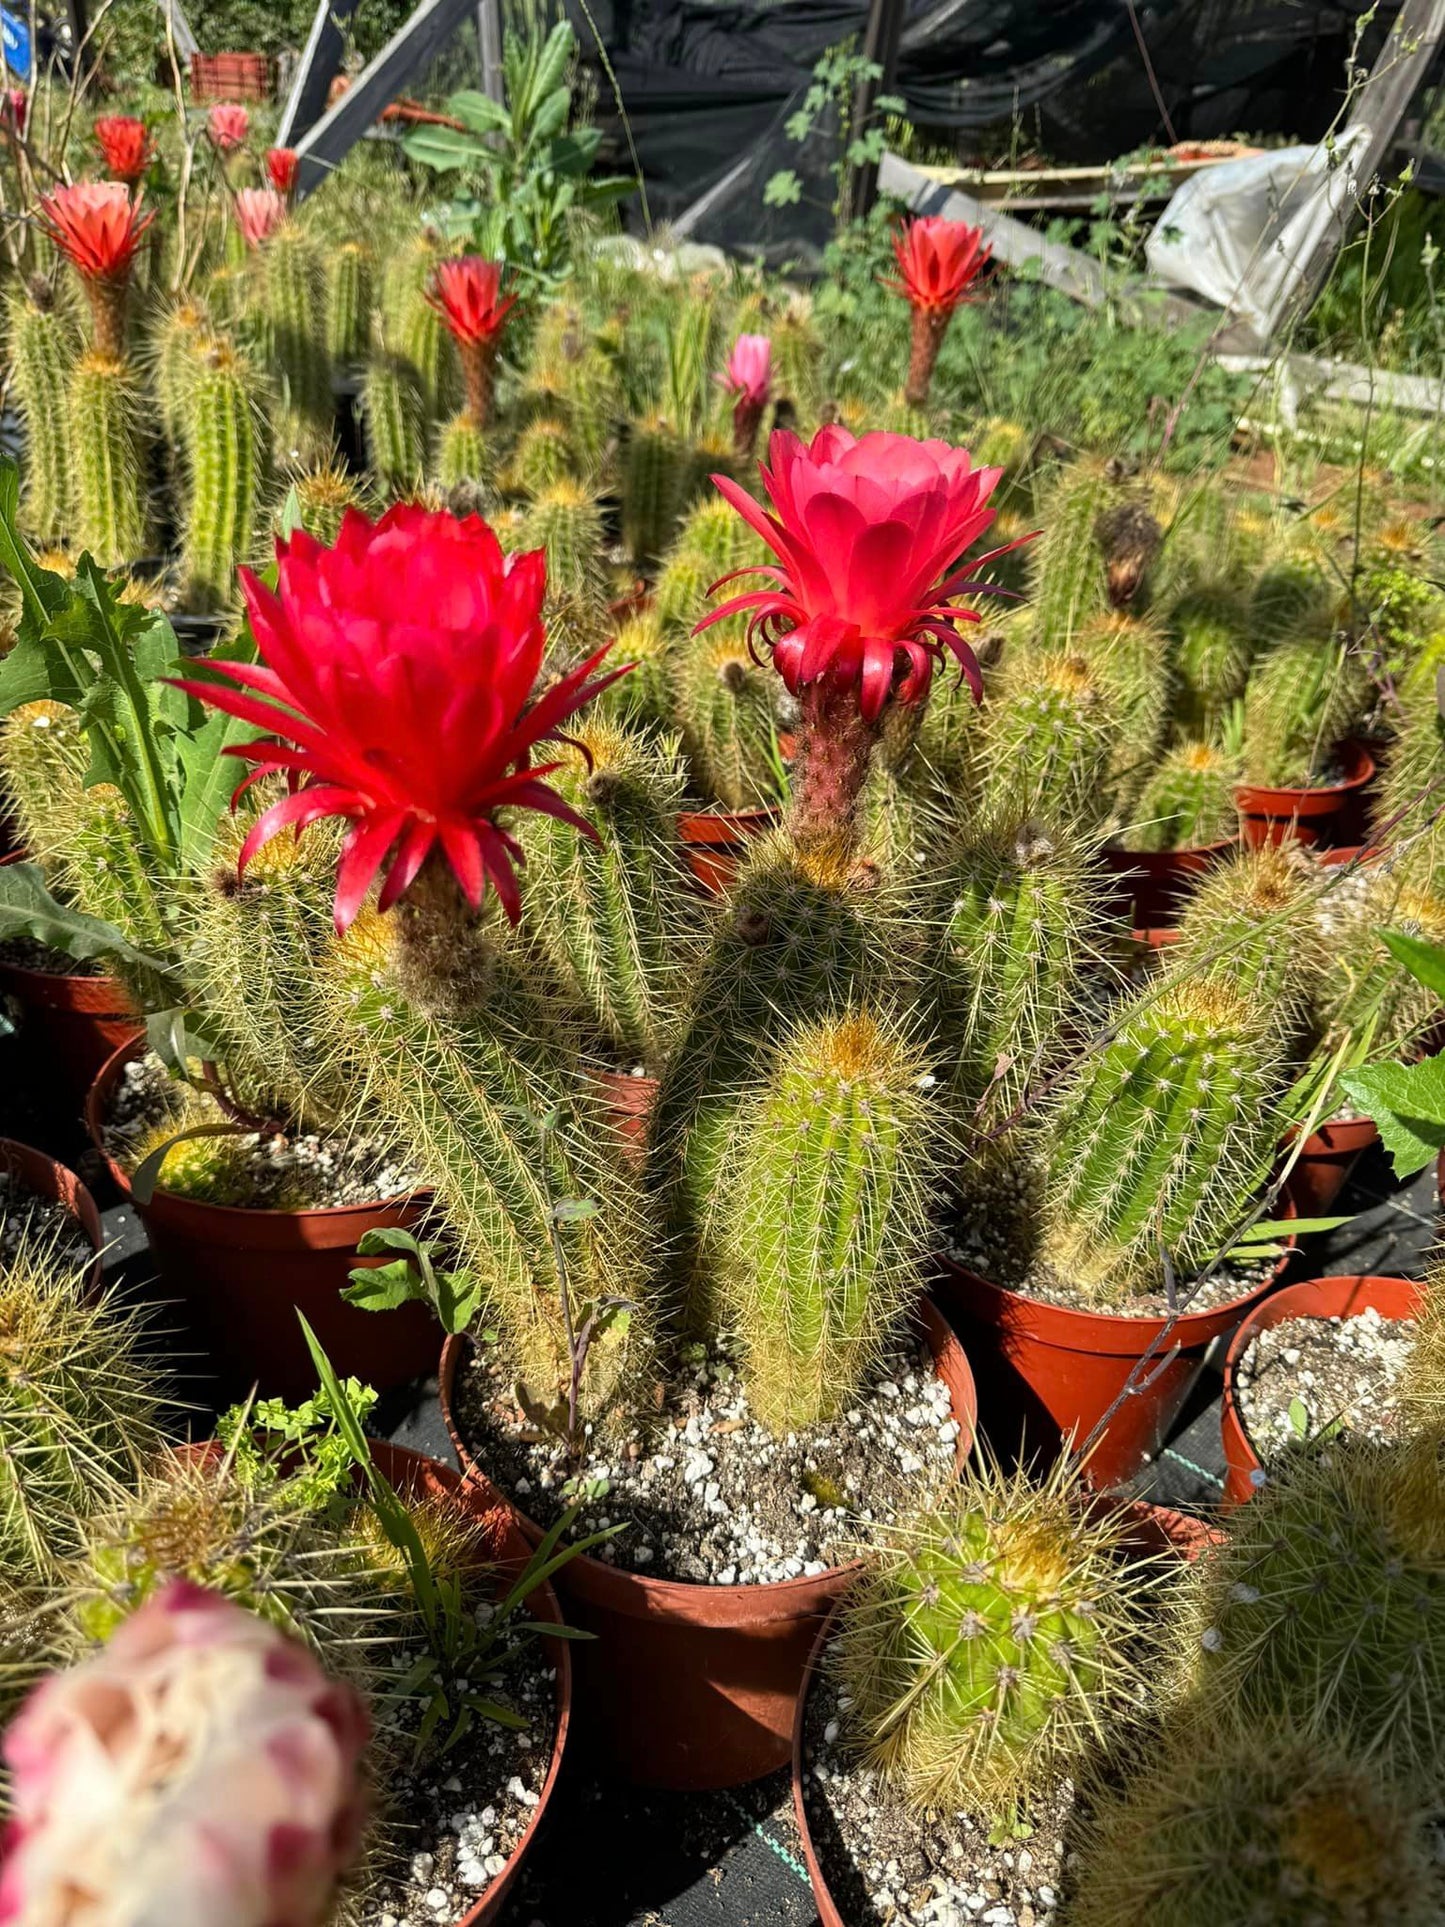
column 95, row 1099
column 674, row 1597
column 1307, row 1298
column 1277, row 801
column 26, row 1163
column 722, row 829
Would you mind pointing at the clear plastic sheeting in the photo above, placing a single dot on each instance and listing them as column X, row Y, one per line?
column 1211, row 237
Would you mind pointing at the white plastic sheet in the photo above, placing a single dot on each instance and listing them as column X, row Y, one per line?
column 1208, row 237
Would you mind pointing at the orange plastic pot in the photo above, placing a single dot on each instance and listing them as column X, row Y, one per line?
column 57, row 1185
column 714, row 842
column 1047, row 1374
column 240, row 1277
column 695, row 1686
column 1326, row 1160
column 1306, row 815
column 1343, row 1297
column 1152, row 886
column 628, row 1102
column 1157, row 1530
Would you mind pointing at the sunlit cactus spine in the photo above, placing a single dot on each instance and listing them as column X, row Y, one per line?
column 44, row 345
column 349, row 274
column 991, row 1641
column 1020, row 924
column 102, row 868
column 566, row 521
column 110, row 517
column 1188, row 803
column 1304, row 698
column 294, row 298
column 462, row 453
column 544, row 455
column 1250, row 922
column 1214, row 645
column 589, row 384
column 725, row 709
column 225, row 476
column 323, row 494
column 1161, row 1138
column 656, row 469
column 1420, row 1389
column 395, row 420
column 615, row 919
column 1256, row 1822
column 822, row 1222
column 645, row 695
column 1048, row 736
column 1128, row 657
column 79, row 1403
column 44, row 755
column 1365, row 990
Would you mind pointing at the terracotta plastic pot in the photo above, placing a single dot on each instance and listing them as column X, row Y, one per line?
column 1326, row 1159
column 241, row 1276
column 57, row 1185
column 1343, row 1297
column 244, row 76
column 1152, row 886
column 1306, row 815
column 714, row 842
column 1047, row 1374
column 695, row 1686
column 629, row 1101
column 1159, row 1530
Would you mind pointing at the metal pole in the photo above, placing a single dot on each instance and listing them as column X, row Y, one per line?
column 489, row 39
column 880, row 45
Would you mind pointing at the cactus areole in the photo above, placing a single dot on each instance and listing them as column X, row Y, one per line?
column 396, row 678
column 860, row 607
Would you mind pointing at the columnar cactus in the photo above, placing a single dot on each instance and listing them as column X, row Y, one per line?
column 616, row 919
column 822, row 1222
column 44, row 345
column 225, row 471
column 1188, row 802
column 1048, row 736
column 645, row 696
column 202, row 1766
column 294, row 301
column 462, row 453
column 725, row 707
column 1303, row 699
column 178, row 344
column 110, row 498
column 79, row 1404
column 1263, row 1823
column 543, row 455
column 1214, row 644
column 1293, row 596
column 655, row 474
column 395, row 418
column 1128, row 657
column 349, row 270
column 1162, row 1136
column 1067, row 571
column 1251, row 923
column 1326, row 1605
column 566, row 522
column 44, row 755
column 991, row 1640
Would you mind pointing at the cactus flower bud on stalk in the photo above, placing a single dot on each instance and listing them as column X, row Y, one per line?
column 466, row 293
column 748, row 375
column 281, row 165
column 126, row 146
column 228, row 125
column 860, row 609
column 201, row 1768
column 259, row 212
column 98, row 227
column 938, row 261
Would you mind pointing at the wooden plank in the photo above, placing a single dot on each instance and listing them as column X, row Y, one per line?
column 319, row 65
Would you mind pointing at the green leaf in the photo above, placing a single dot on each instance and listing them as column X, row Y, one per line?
column 551, row 116
column 552, row 62
column 383, row 1287
column 1299, row 1417
column 291, row 518
column 41, row 593
column 1407, row 1102
column 1424, row 961
column 445, row 149
column 1268, row 1229
column 27, row 909
column 574, row 1210
column 458, row 1300
column 783, row 190
column 481, row 113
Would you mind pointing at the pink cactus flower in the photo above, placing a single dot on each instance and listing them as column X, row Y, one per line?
column 749, row 376
column 200, row 1769
column 259, row 212
column 228, row 125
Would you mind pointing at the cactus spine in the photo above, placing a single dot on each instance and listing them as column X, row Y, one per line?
column 1048, row 739
column 225, row 478
column 1250, row 923
column 989, row 1642
column 348, row 302
column 1127, row 657
column 1162, row 1137
column 1291, row 597
column 295, row 309
column 1303, row 699
column 725, row 708
column 615, row 919
column 462, row 453
column 324, row 494
column 1213, row 650
column 395, row 424
column 110, row 506
column 1188, row 802
column 822, row 1222
column 44, row 346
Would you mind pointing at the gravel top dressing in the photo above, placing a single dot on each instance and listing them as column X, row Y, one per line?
column 39, row 1227
column 450, row 1829
column 1305, row 1374
column 285, row 1172
column 712, row 1496
column 886, row 1861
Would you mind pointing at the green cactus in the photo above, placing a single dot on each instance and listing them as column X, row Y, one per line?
column 1250, row 923
column 1188, row 802
column 44, row 347
column 349, row 270
column 323, row 494
column 1257, row 1823
column 177, row 344
column 110, row 498
column 1128, row 658
column 822, row 1222
column 615, row 920
column 44, row 755
column 543, row 455
column 1213, row 648
column 225, row 472
column 1291, row 597
column 1161, row 1137
column 1365, row 990
column 798, row 359
column 391, row 406
column 294, row 302
column 462, row 453
column 430, row 353
column 1326, row 1605
column 712, row 542
column 1021, row 923
column 1420, row 1388
column 79, row 1404
column 991, row 1640
column 233, row 296
column 590, row 387
column 1304, row 698
column 656, row 471
column 1066, row 565
column 725, row 707
column 566, row 521
column 1048, row 737
column 644, row 697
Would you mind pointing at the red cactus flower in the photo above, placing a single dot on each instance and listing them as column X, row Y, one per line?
column 466, row 293
column 15, row 110
column 98, row 227
column 281, row 166
column 866, row 532
column 126, row 145
column 396, row 672
column 938, row 261
column 228, row 125
column 748, row 375
column 259, row 212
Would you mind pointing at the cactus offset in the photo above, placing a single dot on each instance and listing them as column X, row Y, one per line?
column 1188, row 802
column 543, row 455
column 822, row 1221
column 462, row 453
column 221, row 514
column 1162, row 1137
column 1214, row 643
column 324, row 494
column 44, row 347
column 989, row 1642
column 110, row 499
column 1048, row 737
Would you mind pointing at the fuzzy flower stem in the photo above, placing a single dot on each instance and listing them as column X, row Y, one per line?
column 835, row 746
column 930, row 325
column 107, row 299
column 479, row 373
column 747, row 418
